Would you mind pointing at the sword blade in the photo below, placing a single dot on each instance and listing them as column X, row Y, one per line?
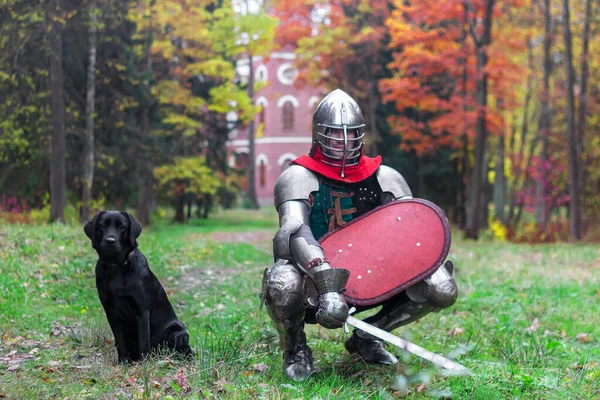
column 408, row 346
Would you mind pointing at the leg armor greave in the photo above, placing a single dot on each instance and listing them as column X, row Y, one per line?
column 432, row 294
column 285, row 304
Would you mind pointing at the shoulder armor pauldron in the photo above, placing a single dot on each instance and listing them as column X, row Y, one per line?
column 295, row 183
column 392, row 182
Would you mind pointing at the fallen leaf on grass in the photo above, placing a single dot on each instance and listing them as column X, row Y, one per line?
column 455, row 332
column 14, row 359
column 584, row 337
column 181, row 381
column 220, row 384
column 535, row 324
column 260, row 368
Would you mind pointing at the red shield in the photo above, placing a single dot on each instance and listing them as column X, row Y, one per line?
column 388, row 249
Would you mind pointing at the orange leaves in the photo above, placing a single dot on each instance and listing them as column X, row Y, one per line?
column 434, row 71
column 338, row 43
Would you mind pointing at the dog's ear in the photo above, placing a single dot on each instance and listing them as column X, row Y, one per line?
column 135, row 229
column 90, row 228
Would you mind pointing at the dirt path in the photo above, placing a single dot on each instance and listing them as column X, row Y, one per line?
column 262, row 240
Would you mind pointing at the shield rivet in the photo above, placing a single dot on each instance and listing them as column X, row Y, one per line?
column 418, row 244
column 369, row 271
column 399, row 218
column 349, row 244
column 340, row 250
column 359, row 277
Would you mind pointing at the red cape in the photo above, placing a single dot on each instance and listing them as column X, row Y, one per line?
column 356, row 173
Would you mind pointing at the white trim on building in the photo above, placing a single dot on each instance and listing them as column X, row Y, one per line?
column 261, row 74
column 262, row 157
column 283, row 55
column 281, row 73
column 272, row 140
column 288, row 97
column 286, row 156
column 262, row 101
column 312, row 101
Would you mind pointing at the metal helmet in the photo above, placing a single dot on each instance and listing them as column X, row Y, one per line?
column 338, row 111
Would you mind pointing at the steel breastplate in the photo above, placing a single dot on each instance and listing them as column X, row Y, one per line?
column 334, row 205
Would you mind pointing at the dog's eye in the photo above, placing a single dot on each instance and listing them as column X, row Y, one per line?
column 122, row 227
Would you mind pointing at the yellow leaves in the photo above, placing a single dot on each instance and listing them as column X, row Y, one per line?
column 214, row 67
column 498, row 229
column 4, row 77
column 260, row 130
column 187, row 175
column 228, row 97
column 126, row 102
column 163, row 48
column 182, row 122
column 364, row 7
column 172, row 93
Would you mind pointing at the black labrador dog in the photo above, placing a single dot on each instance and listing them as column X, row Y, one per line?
column 136, row 305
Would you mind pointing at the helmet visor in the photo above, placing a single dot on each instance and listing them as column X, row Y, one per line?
column 342, row 143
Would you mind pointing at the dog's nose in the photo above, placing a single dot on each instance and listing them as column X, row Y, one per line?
column 110, row 240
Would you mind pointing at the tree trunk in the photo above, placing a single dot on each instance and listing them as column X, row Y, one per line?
column 88, row 147
column 143, row 167
column 581, row 119
column 252, row 196
column 58, row 145
column 372, row 102
column 463, row 195
column 189, row 204
column 179, row 206
column 485, row 194
column 500, row 181
column 541, row 211
column 481, row 43
column 420, row 177
column 473, row 210
column 574, row 195
column 518, row 160
column 144, row 161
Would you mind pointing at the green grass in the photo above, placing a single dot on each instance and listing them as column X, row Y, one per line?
column 526, row 322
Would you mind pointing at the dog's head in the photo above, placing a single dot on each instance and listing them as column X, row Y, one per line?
column 113, row 235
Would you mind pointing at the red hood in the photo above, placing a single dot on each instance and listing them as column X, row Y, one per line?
column 356, row 173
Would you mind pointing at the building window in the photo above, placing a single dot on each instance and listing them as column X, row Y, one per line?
column 286, row 164
column 261, row 174
column 288, row 115
column 241, row 161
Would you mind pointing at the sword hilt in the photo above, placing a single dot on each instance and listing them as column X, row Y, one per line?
column 350, row 312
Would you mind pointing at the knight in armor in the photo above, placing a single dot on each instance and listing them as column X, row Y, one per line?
column 320, row 192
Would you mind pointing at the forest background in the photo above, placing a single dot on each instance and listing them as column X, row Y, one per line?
column 489, row 108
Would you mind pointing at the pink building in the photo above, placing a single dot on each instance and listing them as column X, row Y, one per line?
column 283, row 126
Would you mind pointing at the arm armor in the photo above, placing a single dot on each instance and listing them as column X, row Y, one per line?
column 295, row 183
column 330, row 280
column 294, row 239
column 393, row 185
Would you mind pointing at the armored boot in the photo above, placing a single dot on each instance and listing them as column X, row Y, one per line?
column 283, row 297
column 432, row 294
column 297, row 356
column 369, row 348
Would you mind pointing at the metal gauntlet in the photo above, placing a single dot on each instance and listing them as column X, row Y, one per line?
column 333, row 309
column 330, row 280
